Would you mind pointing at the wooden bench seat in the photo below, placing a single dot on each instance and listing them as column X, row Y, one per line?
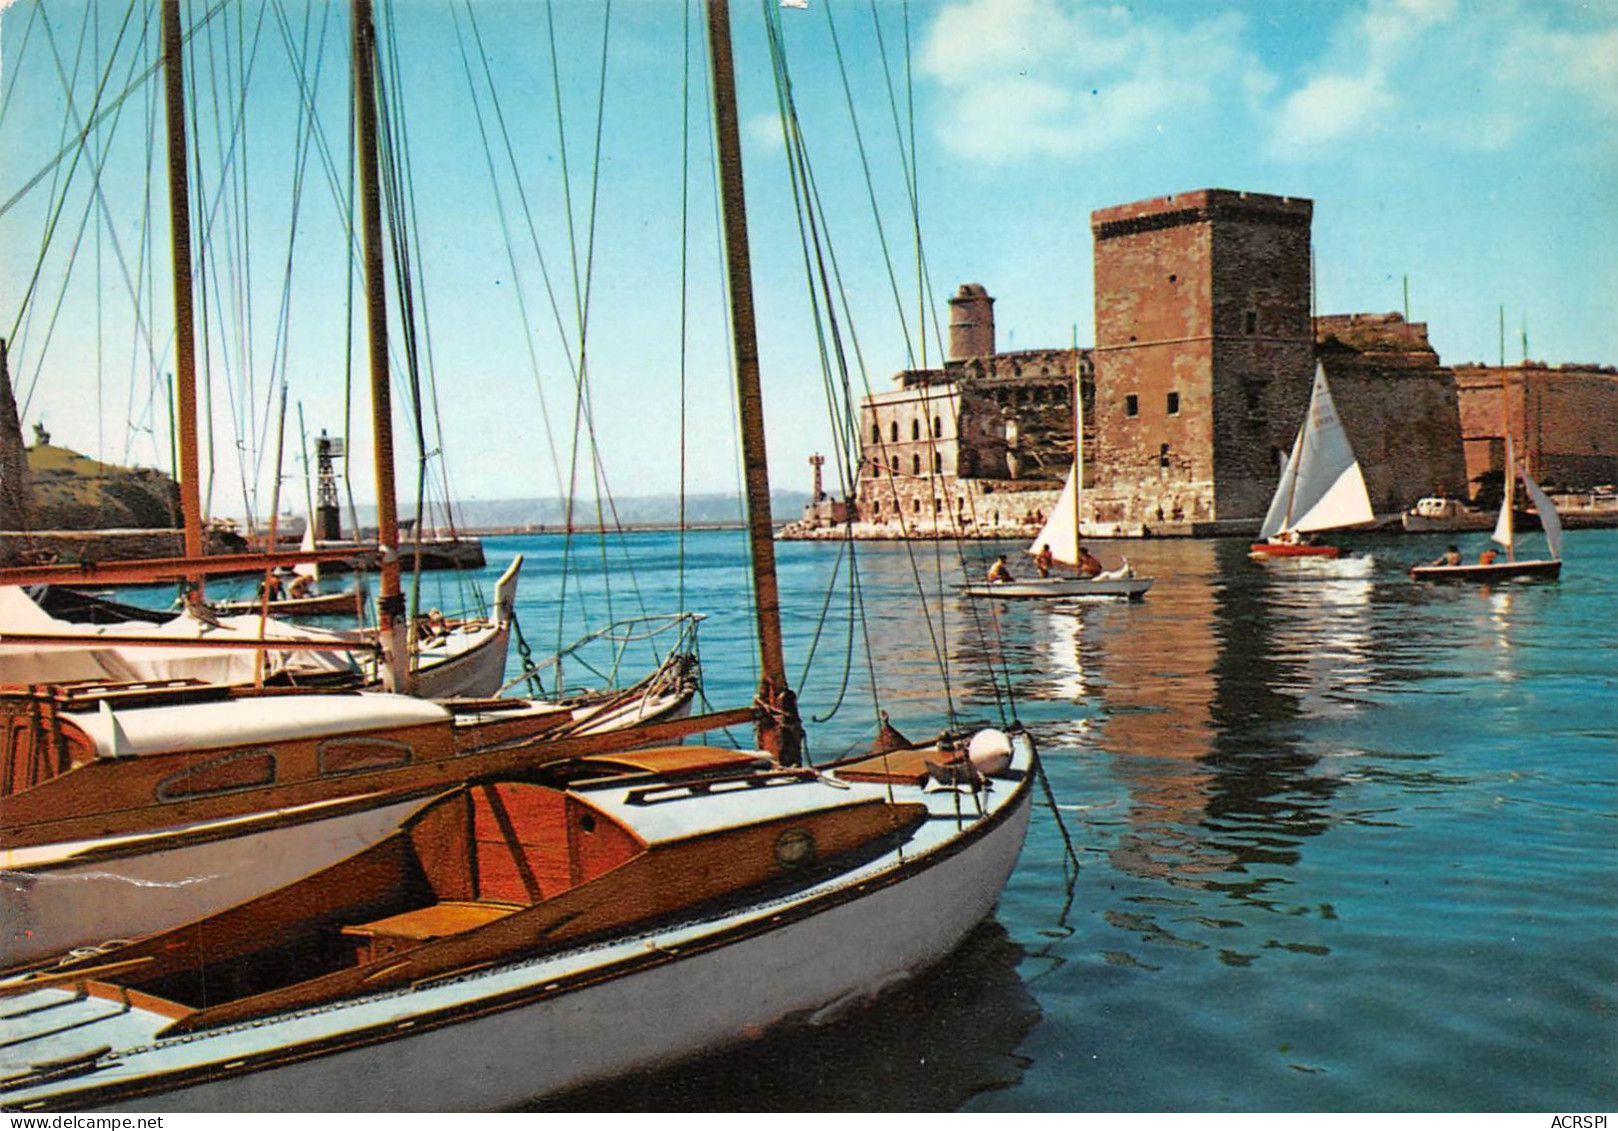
column 408, row 930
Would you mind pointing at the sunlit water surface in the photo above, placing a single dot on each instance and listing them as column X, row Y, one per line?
column 1344, row 841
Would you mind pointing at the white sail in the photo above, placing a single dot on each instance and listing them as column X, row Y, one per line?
column 311, row 569
column 1322, row 487
column 1503, row 532
column 1061, row 529
column 1547, row 515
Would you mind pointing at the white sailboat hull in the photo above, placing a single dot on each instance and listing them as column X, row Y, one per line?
column 1050, row 587
column 497, row 1038
column 51, row 904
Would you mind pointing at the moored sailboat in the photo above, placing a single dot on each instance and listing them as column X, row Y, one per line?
column 1321, row 486
column 523, row 934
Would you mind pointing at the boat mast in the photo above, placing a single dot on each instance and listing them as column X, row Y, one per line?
column 180, row 254
column 1508, row 519
column 1078, row 450
column 391, row 611
column 779, row 730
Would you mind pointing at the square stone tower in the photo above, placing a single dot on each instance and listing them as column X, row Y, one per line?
column 1203, row 355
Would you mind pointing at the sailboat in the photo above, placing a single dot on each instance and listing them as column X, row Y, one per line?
column 1060, row 539
column 1492, row 568
column 514, row 937
column 1321, row 486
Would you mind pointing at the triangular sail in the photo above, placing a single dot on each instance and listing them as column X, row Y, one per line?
column 1322, row 487
column 311, row 570
column 1503, row 532
column 1547, row 515
column 1061, row 529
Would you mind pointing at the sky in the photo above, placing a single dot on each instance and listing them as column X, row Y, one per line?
column 1467, row 151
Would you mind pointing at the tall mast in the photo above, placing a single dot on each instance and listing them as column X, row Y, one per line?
column 180, row 253
column 1078, row 449
column 391, row 611
column 779, row 730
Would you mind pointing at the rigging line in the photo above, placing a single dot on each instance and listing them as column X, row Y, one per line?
column 505, row 231
column 870, row 185
column 906, row 163
column 301, row 146
column 589, row 275
column 21, row 54
column 800, row 155
column 67, row 150
column 306, row 96
column 522, row 195
column 814, row 639
column 77, row 148
column 414, row 234
column 60, row 206
column 685, row 219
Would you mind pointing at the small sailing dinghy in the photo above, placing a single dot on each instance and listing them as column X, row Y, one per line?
column 1059, row 542
column 1492, row 568
column 1321, row 486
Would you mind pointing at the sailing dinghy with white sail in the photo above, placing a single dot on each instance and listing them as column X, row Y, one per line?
column 1321, row 486
column 1492, row 567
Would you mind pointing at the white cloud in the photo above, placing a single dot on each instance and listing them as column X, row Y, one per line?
column 1031, row 78
column 1476, row 79
column 1332, row 107
column 763, row 133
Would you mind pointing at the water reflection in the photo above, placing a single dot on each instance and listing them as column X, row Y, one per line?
column 930, row 1045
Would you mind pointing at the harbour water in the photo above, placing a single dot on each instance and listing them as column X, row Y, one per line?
column 1344, row 842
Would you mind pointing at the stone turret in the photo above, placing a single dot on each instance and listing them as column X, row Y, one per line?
column 971, row 323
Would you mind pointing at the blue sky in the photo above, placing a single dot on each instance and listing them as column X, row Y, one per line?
column 1472, row 148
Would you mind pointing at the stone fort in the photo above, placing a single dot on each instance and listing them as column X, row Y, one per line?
column 1198, row 380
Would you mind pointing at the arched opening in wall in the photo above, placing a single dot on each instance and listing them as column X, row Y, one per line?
column 915, row 429
column 1250, row 322
column 938, row 463
column 915, row 465
column 938, row 427
column 876, row 432
column 915, row 506
column 1173, row 404
column 1131, row 405
column 896, row 465
column 1162, row 455
column 876, row 507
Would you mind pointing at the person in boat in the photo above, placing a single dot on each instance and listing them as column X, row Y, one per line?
column 1043, row 560
column 300, row 586
column 1089, row 565
column 431, row 627
column 1452, row 557
column 1488, row 556
column 271, row 587
column 999, row 572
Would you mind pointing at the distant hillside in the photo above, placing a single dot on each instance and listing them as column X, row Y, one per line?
column 74, row 492
column 643, row 510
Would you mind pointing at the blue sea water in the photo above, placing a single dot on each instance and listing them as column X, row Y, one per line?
column 1344, row 842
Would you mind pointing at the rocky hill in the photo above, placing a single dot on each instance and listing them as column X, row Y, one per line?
column 75, row 492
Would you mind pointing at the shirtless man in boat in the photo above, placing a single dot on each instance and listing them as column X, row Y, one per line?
column 1089, row 565
column 998, row 571
column 1452, row 557
column 1043, row 560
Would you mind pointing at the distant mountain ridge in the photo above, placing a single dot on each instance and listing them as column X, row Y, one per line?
column 640, row 510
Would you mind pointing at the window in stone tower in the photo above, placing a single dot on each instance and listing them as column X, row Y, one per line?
column 1131, row 405
column 915, row 429
column 893, row 431
column 1174, row 404
column 876, row 432
column 1252, row 322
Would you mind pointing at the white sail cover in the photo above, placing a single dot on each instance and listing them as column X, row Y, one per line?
column 1547, row 515
column 1321, row 487
column 1061, row 529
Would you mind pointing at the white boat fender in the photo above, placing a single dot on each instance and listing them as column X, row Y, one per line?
column 990, row 752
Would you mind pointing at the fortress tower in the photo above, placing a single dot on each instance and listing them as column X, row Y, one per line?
column 971, row 323
column 1203, row 354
